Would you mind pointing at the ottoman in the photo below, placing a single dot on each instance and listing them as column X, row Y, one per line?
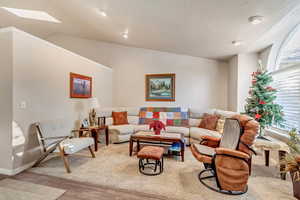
column 151, row 158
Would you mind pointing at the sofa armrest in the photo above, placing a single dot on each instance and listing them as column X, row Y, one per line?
column 230, row 152
column 210, row 141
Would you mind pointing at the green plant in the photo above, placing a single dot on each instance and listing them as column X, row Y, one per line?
column 292, row 159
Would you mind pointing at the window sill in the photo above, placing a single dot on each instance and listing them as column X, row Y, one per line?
column 278, row 134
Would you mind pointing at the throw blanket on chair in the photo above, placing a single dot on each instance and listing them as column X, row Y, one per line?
column 171, row 116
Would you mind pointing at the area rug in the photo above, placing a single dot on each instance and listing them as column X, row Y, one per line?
column 19, row 190
column 113, row 167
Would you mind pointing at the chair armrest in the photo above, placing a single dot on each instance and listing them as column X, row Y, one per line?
column 210, row 141
column 53, row 138
column 206, row 137
column 230, row 152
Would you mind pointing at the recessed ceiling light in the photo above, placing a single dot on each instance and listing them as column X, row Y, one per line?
column 32, row 14
column 102, row 13
column 125, row 35
column 256, row 19
column 237, row 43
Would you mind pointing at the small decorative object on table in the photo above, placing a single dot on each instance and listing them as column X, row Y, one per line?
column 157, row 126
column 101, row 121
column 85, row 123
column 292, row 161
column 92, row 115
column 260, row 104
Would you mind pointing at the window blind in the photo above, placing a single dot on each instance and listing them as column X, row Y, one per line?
column 287, row 83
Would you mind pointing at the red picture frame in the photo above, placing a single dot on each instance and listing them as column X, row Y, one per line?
column 80, row 86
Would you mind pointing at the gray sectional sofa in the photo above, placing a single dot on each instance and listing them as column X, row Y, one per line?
column 192, row 133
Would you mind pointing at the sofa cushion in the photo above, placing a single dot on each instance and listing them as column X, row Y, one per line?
column 220, row 125
column 122, row 129
column 120, row 118
column 171, row 116
column 197, row 113
column 141, row 127
column 225, row 113
column 209, row 121
column 133, row 120
column 178, row 129
column 196, row 133
column 194, row 122
column 108, row 121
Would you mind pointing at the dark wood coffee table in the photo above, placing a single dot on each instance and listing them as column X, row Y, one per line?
column 163, row 139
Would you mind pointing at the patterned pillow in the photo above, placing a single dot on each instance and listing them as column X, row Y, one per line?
column 209, row 121
column 174, row 116
column 119, row 118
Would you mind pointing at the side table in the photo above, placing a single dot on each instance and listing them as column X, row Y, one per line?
column 95, row 131
column 272, row 144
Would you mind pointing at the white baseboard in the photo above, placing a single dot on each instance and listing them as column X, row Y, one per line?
column 12, row 172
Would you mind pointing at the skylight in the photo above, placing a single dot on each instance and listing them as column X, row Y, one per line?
column 32, row 14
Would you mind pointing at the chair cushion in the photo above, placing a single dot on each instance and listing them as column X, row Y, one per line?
column 151, row 152
column 122, row 129
column 120, row 118
column 205, row 150
column 197, row 133
column 74, row 145
column 209, row 121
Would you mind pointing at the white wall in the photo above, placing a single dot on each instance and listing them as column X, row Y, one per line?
column 199, row 82
column 233, row 84
column 6, row 100
column 247, row 64
column 41, row 73
column 241, row 67
column 264, row 56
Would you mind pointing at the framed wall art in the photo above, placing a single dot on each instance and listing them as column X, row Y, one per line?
column 160, row 87
column 80, row 86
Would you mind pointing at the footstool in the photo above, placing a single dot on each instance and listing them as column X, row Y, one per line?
column 155, row 154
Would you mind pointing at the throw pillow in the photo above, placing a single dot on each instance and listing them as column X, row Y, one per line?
column 209, row 121
column 119, row 118
column 220, row 125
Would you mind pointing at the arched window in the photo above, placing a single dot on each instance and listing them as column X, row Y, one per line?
column 287, row 79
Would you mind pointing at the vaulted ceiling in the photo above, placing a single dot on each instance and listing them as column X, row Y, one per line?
column 203, row 28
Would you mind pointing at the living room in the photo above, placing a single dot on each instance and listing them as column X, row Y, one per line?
column 111, row 70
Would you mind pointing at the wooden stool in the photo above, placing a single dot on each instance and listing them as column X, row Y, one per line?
column 153, row 153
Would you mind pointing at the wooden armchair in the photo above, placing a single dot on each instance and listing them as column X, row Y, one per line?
column 55, row 136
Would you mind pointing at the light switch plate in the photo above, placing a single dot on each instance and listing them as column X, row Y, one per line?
column 23, row 105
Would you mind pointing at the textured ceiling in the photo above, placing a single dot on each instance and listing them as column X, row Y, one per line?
column 203, row 28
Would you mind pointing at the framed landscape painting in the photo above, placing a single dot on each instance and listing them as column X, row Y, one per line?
column 160, row 87
column 80, row 86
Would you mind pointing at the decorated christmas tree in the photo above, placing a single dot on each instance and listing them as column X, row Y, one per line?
column 260, row 104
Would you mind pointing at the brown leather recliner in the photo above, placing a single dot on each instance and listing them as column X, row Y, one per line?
column 228, row 159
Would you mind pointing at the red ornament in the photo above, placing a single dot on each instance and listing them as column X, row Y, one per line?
column 253, row 82
column 157, row 126
column 270, row 89
column 257, row 116
column 262, row 102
